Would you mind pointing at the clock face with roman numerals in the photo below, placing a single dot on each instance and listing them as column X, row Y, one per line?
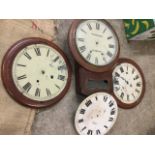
column 96, row 114
column 39, row 71
column 128, row 83
column 96, row 44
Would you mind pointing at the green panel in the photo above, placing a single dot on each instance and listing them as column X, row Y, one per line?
column 134, row 27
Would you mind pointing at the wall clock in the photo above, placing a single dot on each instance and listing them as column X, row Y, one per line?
column 128, row 83
column 94, row 44
column 96, row 115
column 36, row 72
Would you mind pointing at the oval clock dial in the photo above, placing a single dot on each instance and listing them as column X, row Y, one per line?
column 96, row 114
column 94, row 44
column 128, row 83
column 39, row 71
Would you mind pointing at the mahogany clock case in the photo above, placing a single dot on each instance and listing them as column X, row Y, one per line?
column 132, row 105
column 103, row 82
column 6, row 73
column 78, row 57
column 88, row 82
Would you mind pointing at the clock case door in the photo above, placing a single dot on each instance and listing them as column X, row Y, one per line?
column 6, row 73
column 78, row 57
column 88, row 82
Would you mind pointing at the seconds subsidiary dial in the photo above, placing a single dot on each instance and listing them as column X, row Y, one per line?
column 94, row 44
column 128, row 83
column 38, row 74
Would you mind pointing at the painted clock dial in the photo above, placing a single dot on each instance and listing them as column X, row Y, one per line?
column 96, row 44
column 96, row 114
column 128, row 83
column 39, row 72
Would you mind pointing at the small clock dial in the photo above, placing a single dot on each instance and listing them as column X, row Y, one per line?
column 96, row 42
column 39, row 72
column 36, row 72
column 128, row 83
column 96, row 114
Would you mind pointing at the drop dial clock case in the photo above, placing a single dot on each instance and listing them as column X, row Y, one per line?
column 94, row 44
column 36, row 72
column 128, row 83
column 96, row 115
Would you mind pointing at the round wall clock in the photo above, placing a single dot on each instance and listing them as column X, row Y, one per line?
column 96, row 114
column 94, row 44
column 128, row 83
column 36, row 72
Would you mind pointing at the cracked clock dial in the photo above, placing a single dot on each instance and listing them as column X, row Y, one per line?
column 128, row 83
column 40, row 72
column 96, row 44
column 96, row 115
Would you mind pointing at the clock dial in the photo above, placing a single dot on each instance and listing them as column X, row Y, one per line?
column 38, row 74
column 96, row 114
column 128, row 83
column 96, row 42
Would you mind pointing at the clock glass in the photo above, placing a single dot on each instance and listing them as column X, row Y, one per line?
column 96, row 114
column 96, row 42
column 39, row 72
column 127, row 83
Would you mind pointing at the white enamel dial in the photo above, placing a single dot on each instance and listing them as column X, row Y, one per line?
column 96, row 42
column 127, row 83
column 96, row 114
column 39, row 72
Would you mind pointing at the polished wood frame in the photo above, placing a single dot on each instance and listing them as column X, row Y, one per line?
column 6, row 73
column 120, row 103
column 78, row 57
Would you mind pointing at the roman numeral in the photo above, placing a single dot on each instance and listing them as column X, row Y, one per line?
column 136, row 77
column 116, row 82
column 96, row 98
column 96, row 61
column 22, row 77
column 27, row 56
column 109, row 54
column 113, row 111
column 56, row 59
column 117, row 74
column 20, row 65
column 89, row 26
column 84, row 128
column 98, row 132
column 82, row 111
column 83, row 31
column 37, row 50
column 110, row 37
column 111, row 46
column 82, row 48
column 37, row 93
column 121, row 69
column 88, row 103
column 27, row 87
column 63, row 67
column 111, row 103
column 122, row 95
column 133, row 95
column 105, row 126
column 81, row 39
column 105, row 98
column 133, row 70
column 48, row 92
column 80, row 120
column 88, row 57
column 128, row 97
column 61, row 77
column 97, row 26
column 90, row 132
column 139, row 84
column 104, row 30
column 111, row 119
column 48, row 52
